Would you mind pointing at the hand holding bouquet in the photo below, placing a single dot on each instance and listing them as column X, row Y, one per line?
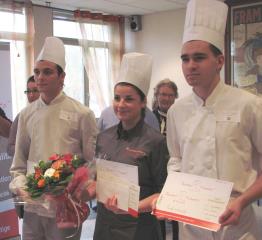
column 52, row 178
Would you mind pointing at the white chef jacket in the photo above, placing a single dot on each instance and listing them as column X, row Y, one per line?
column 63, row 126
column 221, row 139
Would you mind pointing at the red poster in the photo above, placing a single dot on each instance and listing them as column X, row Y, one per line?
column 8, row 224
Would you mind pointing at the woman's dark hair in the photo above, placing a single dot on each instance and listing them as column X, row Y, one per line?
column 140, row 93
column 165, row 82
column 59, row 70
column 215, row 50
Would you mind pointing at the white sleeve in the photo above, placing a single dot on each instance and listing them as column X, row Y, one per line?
column 18, row 168
column 174, row 163
column 255, row 119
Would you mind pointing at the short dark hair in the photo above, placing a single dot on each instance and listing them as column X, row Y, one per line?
column 59, row 70
column 30, row 79
column 215, row 50
column 140, row 93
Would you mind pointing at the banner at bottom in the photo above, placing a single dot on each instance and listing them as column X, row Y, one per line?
column 8, row 224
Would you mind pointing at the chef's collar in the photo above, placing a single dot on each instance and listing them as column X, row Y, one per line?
column 127, row 134
column 59, row 98
column 211, row 99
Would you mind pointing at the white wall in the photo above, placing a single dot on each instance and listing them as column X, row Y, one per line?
column 161, row 37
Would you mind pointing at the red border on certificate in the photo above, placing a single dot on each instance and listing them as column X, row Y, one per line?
column 132, row 212
column 189, row 220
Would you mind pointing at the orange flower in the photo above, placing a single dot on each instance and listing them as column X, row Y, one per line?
column 38, row 173
column 56, row 175
column 41, row 183
column 59, row 164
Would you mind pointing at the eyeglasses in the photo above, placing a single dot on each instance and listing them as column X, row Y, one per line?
column 28, row 91
column 166, row 95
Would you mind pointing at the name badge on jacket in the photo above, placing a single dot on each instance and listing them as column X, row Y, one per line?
column 228, row 116
column 68, row 116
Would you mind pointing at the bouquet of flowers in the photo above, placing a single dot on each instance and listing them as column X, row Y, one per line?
column 51, row 179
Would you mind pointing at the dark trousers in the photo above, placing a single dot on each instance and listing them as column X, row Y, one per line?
column 163, row 228
column 174, row 229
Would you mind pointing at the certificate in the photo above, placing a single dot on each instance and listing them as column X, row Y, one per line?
column 121, row 180
column 194, row 200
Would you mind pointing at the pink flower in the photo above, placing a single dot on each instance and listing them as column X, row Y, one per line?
column 68, row 158
column 54, row 157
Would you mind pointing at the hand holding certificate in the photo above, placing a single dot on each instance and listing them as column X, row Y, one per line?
column 119, row 180
column 193, row 200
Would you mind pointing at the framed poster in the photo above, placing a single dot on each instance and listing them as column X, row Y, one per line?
column 244, row 45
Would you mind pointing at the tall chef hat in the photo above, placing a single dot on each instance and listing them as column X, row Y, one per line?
column 136, row 69
column 53, row 51
column 206, row 21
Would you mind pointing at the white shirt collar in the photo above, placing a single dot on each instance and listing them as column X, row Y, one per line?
column 211, row 99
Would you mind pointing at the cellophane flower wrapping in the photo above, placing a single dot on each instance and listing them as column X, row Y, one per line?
column 56, row 180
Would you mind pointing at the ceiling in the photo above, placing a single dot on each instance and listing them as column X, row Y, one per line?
column 122, row 7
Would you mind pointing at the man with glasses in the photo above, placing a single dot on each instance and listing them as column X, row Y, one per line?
column 165, row 94
column 31, row 91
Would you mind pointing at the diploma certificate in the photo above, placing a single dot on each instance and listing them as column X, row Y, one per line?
column 194, row 200
column 121, row 180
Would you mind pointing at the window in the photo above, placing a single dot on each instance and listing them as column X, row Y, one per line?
column 77, row 84
column 75, row 77
column 14, row 22
column 13, row 30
